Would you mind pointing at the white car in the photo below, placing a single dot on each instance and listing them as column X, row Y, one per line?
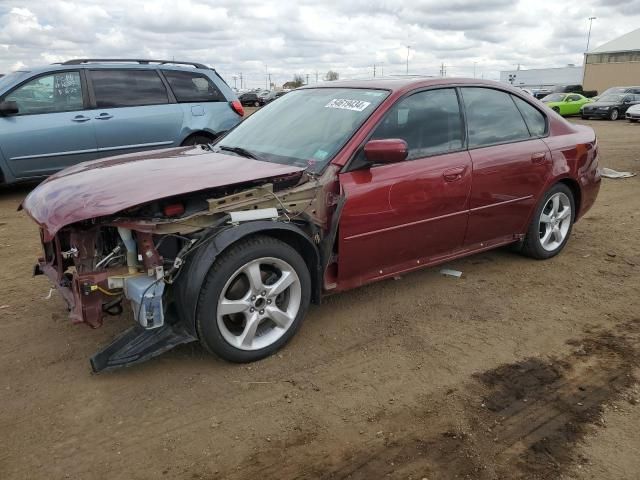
column 633, row 113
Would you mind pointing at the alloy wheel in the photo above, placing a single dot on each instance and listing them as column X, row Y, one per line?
column 259, row 303
column 555, row 221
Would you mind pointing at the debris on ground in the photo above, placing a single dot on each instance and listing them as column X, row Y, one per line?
column 451, row 273
column 611, row 173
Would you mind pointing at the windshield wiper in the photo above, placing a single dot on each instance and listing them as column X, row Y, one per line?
column 240, row 151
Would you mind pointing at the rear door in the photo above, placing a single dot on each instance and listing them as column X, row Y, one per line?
column 400, row 216
column 52, row 129
column 511, row 163
column 133, row 111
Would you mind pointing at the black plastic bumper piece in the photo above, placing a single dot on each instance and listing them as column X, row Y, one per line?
column 138, row 345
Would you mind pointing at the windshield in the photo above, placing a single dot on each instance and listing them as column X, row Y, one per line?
column 610, row 98
column 306, row 127
column 609, row 91
column 554, row 97
column 10, row 77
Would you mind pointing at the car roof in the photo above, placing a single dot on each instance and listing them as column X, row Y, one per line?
column 405, row 84
column 55, row 67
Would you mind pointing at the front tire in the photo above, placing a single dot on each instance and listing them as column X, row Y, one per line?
column 551, row 225
column 256, row 104
column 614, row 114
column 253, row 299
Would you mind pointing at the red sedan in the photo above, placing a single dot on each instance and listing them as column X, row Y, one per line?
column 327, row 189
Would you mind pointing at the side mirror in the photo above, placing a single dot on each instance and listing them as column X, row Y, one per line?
column 8, row 108
column 390, row 150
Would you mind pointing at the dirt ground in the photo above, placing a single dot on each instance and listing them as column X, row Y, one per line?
column 518, row 369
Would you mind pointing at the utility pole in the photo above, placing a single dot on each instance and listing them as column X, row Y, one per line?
column 474, row 69
column 235, row 77
column 241, row 84
column 408, row 48
column 591, row 19
column 269, row 82
column 316, row 76
column 374, row 70
column 307, row 79
column 266, row 76
column 443, row 70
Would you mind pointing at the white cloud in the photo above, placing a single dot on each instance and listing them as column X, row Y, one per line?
column 307, row 36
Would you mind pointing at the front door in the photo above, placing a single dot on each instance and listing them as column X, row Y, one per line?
column 51, row 129
column 133, row 112
column 511, row 164
column 398, row 217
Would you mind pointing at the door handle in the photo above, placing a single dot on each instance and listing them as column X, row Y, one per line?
column 104, row 116
column 454, row 174
column 80, row 119
column 538, row 157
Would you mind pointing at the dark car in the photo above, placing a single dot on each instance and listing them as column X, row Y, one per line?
column 621, row 90
column 327, row 189
column 574, row 89
column 251, row 99
column 274, row 94
column 611, row 106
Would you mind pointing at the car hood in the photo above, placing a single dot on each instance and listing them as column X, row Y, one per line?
column 104, row 187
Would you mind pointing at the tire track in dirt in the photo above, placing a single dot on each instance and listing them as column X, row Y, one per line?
column 518, row 421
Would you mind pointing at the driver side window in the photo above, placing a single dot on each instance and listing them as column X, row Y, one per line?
column 429, row 121
column 60, row 92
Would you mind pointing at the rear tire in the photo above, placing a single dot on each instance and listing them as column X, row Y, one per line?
column 264, row 285
column 256, row 104
column 551, row 225
column 584, row 117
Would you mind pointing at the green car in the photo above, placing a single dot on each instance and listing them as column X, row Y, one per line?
column 566, row 103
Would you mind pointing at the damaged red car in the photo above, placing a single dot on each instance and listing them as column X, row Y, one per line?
column 327, row 189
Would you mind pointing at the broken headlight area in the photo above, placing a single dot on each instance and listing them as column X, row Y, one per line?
column 96, row 269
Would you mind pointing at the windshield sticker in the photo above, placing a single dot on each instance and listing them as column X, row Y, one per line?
column 344, row 104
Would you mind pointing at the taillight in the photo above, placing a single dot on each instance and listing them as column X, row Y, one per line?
column 236, row 106
column 173, row 210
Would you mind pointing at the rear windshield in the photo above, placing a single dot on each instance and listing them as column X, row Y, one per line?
column 305, row 127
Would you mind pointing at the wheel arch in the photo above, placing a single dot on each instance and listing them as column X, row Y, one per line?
column 197, row 133
column 188, row 286
column 575, row 191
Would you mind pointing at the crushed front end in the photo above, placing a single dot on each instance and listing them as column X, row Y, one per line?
column 139, row 257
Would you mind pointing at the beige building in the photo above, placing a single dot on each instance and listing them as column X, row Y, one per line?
column 614, row 64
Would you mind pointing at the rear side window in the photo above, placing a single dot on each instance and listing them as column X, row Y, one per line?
column 492, row 117
column 127, row 88
column 428, row 121
column 192, row 87
column 535, row 120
